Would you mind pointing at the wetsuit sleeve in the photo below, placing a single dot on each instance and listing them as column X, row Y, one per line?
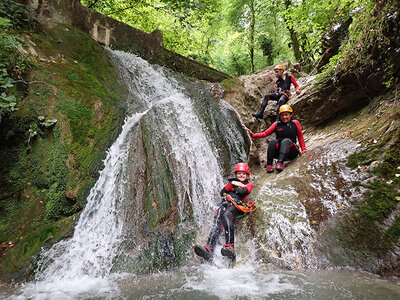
column 296, row 86
column 267, row 132
column 227, row 188
column 300, row 135
column 249, row 188
column 244, row 191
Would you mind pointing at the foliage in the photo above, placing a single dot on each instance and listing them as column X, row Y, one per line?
column 12, row 62
column 214, row 32
column 315, row 23
column 187, row 26
column 377, row 22
column 15, row 12
column 267, row 47
column 221, row 33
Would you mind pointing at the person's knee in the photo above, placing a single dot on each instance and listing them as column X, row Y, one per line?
column 228, row 217
column 281, row 102
column 286, row 141
column 273, row 143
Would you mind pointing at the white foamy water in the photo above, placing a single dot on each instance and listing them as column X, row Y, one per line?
column 82, row 262
column 97, row 234
column 177, row 125
column 288, row 236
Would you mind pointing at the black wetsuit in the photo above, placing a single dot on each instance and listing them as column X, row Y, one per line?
column 284, row 146
column 281, row 95
column 226, row 212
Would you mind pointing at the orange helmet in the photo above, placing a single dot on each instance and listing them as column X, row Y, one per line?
column 284, row 108
column 279, row 67
column 242, row 167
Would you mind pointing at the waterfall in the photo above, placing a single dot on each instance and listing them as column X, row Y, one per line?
column 156, row 98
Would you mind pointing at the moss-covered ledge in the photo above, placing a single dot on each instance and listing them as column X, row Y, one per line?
column 70, row 111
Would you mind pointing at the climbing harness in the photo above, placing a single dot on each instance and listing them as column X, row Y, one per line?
column 247, row 207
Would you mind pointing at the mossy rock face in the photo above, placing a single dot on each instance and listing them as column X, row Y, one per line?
column 54, row 145
column 368, row 236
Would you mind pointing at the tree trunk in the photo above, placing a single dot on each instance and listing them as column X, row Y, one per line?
column 293, row 35
column 251, row 33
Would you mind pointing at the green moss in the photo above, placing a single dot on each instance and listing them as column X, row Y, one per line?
column 19, row 257
column 231, row 84
column 83, row 191
column 48, row 180
column 78, row 115
column 380, row 193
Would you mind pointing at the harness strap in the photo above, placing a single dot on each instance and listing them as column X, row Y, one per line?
column 247, row 207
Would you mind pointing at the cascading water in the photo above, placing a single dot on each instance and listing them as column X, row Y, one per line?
column 158, row 99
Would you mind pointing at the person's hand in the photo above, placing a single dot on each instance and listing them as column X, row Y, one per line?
column 249, row 131
column 304, row 151
column 238, row 183
column 298, row 92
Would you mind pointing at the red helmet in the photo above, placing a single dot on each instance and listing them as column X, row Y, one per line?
column 242, row 167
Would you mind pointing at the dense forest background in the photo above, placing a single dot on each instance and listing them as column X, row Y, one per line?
column 242, row 36
column 236, row 36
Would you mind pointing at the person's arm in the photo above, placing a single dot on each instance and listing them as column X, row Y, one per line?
column 267, row 132
column 243, row 189
column 296, row 86
column 300, row 136
column 227, row 188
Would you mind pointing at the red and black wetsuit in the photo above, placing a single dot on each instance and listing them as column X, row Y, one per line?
column 284, row 84
column 284, row 146
column 226, row 212
column 281, row 95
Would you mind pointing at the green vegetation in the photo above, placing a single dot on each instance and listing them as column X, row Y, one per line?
column 13, row 63
column 371, row 46
column 243, row 36
column 53, row 146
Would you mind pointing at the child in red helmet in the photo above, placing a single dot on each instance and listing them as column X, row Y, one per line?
column 237, row 191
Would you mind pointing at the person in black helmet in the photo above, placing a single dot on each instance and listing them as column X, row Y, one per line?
column 236, row 191
column 282, row 95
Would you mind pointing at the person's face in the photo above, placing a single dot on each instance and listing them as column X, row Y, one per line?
column 278, row 72
column 285, row 116
column 242, row 176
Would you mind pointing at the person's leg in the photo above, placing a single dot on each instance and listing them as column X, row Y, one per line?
column 206, row 251
column 293, row 152
column 283, row 99
column 273, row 151
column 216, row 227
column 228, row 249
column 274, row 96
column 283, row 153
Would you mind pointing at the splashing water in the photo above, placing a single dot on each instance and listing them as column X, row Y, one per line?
column 175, row 122
column 98, row 234
column 81, row 268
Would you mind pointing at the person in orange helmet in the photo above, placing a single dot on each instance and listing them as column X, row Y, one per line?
column 234, row 198
column 282, row 95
